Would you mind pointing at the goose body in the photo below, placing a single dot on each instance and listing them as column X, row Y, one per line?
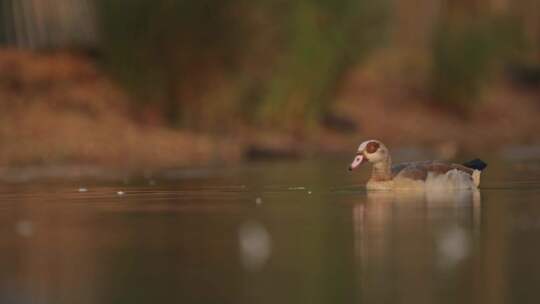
column 427, row 175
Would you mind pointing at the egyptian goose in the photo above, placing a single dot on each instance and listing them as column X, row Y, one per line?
column 415, row 175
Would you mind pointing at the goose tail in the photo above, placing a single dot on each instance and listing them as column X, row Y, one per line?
column 476, row 164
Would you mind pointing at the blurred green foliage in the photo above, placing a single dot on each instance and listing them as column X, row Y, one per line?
column 168, row 51
column 466, row 53
column 216, row 64
column 208, row 64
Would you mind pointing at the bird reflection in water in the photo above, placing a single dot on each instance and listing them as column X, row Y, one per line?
column 404, row 240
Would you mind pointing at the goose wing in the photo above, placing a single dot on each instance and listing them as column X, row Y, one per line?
column 420, row 170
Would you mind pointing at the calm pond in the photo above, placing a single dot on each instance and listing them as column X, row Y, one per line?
column 276, row 232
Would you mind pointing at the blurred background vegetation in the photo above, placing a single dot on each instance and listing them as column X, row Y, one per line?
column 216, row 66
column 208, row 63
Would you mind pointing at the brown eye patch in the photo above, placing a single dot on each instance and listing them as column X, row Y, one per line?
column 372, row 147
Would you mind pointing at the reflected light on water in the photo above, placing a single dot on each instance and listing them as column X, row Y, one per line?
column 24, row 228
column 244, row 236
column 411, row 237
column 255, row 245
column 453, row 246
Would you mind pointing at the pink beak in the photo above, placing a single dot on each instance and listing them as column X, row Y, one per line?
column 358, row 160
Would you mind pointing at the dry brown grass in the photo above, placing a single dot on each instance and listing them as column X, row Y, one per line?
column 399, row 114
column 61, row 109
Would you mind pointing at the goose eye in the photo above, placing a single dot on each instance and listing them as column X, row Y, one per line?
column 372, row 147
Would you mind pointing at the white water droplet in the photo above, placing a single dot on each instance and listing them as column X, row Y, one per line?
column 453, row 246
column 24, row 228
column 297, row 188
column 255, row 245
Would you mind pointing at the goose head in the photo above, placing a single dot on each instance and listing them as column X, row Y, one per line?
column 372, row 151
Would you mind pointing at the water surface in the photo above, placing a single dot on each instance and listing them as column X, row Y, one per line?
column 278, row 232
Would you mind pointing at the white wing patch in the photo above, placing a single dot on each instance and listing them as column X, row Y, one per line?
column 453, row 179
